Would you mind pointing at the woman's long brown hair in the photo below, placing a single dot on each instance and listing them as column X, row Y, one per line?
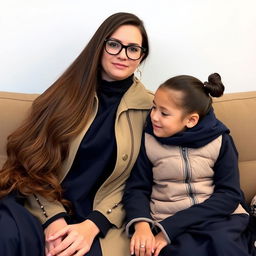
column 37, row 149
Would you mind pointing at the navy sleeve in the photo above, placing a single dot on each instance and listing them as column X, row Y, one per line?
column 100, row 221
column 224, row 200
column 55, row 217
column 138, row 188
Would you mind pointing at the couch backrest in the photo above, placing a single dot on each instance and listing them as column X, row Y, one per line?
column 238, row 112
column 13, row 109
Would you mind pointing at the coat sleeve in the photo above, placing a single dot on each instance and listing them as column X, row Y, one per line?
column 226, row 196
column 43, row 209
column 137, row 191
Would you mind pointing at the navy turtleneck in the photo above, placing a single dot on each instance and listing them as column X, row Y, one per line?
column 96, row 156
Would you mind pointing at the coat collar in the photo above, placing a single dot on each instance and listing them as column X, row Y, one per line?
column 136, row 97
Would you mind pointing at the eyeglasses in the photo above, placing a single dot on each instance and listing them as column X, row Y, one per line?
column 114, row 47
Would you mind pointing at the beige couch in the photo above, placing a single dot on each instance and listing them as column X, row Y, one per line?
column 236, row 110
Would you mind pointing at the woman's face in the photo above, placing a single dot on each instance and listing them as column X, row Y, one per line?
column 119, row 67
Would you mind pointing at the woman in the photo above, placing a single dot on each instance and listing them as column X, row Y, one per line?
column 80, row 141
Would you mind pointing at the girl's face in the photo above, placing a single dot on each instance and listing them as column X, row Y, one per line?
column 166, row 115
column 119, row 67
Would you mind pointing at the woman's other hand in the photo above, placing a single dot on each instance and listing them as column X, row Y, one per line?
column 76, row 239
column 142, row 241
column 160, row 243
column 53, row 228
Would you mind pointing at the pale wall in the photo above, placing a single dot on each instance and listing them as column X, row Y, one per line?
column 40, row 38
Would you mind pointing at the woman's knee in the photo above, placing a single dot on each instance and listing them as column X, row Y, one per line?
column 9, row 235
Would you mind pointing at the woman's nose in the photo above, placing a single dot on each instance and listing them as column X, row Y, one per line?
column 122, row 54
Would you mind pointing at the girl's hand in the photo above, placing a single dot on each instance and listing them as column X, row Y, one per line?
column 142, row 241
column 54, row 227
column 78, row 239
column 160, row 243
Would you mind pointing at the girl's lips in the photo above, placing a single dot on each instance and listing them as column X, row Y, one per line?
column 156, row 126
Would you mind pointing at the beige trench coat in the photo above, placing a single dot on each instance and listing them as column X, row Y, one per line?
column 129, row 123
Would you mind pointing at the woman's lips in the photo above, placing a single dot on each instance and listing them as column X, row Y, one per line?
column 119, row 65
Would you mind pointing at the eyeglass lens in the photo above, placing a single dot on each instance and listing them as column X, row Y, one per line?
column 133, row 52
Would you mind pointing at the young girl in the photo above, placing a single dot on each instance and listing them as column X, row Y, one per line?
column 183, row 196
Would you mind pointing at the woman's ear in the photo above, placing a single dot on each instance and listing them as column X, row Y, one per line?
column 192, row 120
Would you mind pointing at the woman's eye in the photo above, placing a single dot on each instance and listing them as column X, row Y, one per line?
column 113, row 44
column 164, row 114
column 133, row 48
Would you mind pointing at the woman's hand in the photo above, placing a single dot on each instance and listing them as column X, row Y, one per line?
column 53, row 228
column 142, row 241
column 78, row 239
column 160, row 243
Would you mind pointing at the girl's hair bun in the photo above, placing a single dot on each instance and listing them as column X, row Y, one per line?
column 214, row 86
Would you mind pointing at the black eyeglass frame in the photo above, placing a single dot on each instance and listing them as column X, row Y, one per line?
column 143, row 49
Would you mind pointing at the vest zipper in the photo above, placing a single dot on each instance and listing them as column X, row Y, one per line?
column 187, row 172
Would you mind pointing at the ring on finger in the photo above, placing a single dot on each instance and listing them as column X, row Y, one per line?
column 142, row 246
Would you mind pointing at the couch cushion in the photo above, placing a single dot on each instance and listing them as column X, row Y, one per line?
column 237, row 111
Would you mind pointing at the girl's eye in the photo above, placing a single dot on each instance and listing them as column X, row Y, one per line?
column 164, row 114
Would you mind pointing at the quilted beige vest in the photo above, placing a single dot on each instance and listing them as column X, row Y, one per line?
column 182, row 176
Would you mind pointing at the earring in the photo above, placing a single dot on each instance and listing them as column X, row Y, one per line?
column 138, row 71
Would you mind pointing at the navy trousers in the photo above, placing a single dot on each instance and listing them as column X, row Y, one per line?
column 221, row 237
column 21, row 233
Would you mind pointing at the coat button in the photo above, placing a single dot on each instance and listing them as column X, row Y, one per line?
column 125, row 157
column 109, row 210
